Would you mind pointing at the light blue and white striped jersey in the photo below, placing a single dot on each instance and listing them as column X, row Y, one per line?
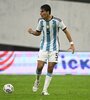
column 50, row 31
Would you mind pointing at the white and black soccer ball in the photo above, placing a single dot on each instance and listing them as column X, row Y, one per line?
column 8, row 88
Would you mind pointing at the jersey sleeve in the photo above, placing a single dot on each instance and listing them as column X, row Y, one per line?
column 39, row 26
column 62, row 26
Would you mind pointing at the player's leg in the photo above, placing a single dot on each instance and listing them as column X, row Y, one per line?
column 48, row 78
column 40, row 65
column 52, row 62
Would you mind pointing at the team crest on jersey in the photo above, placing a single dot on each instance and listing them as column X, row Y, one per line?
column 48, row 26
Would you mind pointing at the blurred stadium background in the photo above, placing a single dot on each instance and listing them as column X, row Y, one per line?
column 17, row 16
column 19, row 50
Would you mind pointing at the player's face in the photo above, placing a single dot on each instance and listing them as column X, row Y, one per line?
column 44, row 14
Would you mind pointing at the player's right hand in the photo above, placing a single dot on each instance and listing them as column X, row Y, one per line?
column 30, row 30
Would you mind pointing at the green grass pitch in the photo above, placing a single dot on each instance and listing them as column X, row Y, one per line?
column 66, row 87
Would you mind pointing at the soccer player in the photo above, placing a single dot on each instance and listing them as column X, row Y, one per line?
column 48, row 26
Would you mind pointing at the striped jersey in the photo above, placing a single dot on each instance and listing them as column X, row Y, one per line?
column 50, row 33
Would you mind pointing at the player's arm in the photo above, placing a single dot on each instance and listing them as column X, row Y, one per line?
column 38, row 30
column 70, row 40
column 36, row 33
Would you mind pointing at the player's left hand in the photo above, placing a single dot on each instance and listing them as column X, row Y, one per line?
column 72, row 48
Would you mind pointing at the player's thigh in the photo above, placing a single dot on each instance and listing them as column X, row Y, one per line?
column 53, row 57
column 40, row 64
column 51, row 64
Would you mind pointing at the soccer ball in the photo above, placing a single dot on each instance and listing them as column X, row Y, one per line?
column 8, row 88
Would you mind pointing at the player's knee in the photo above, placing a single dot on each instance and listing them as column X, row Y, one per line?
column 50, row 69
column 39, row 69
column 40, row 66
